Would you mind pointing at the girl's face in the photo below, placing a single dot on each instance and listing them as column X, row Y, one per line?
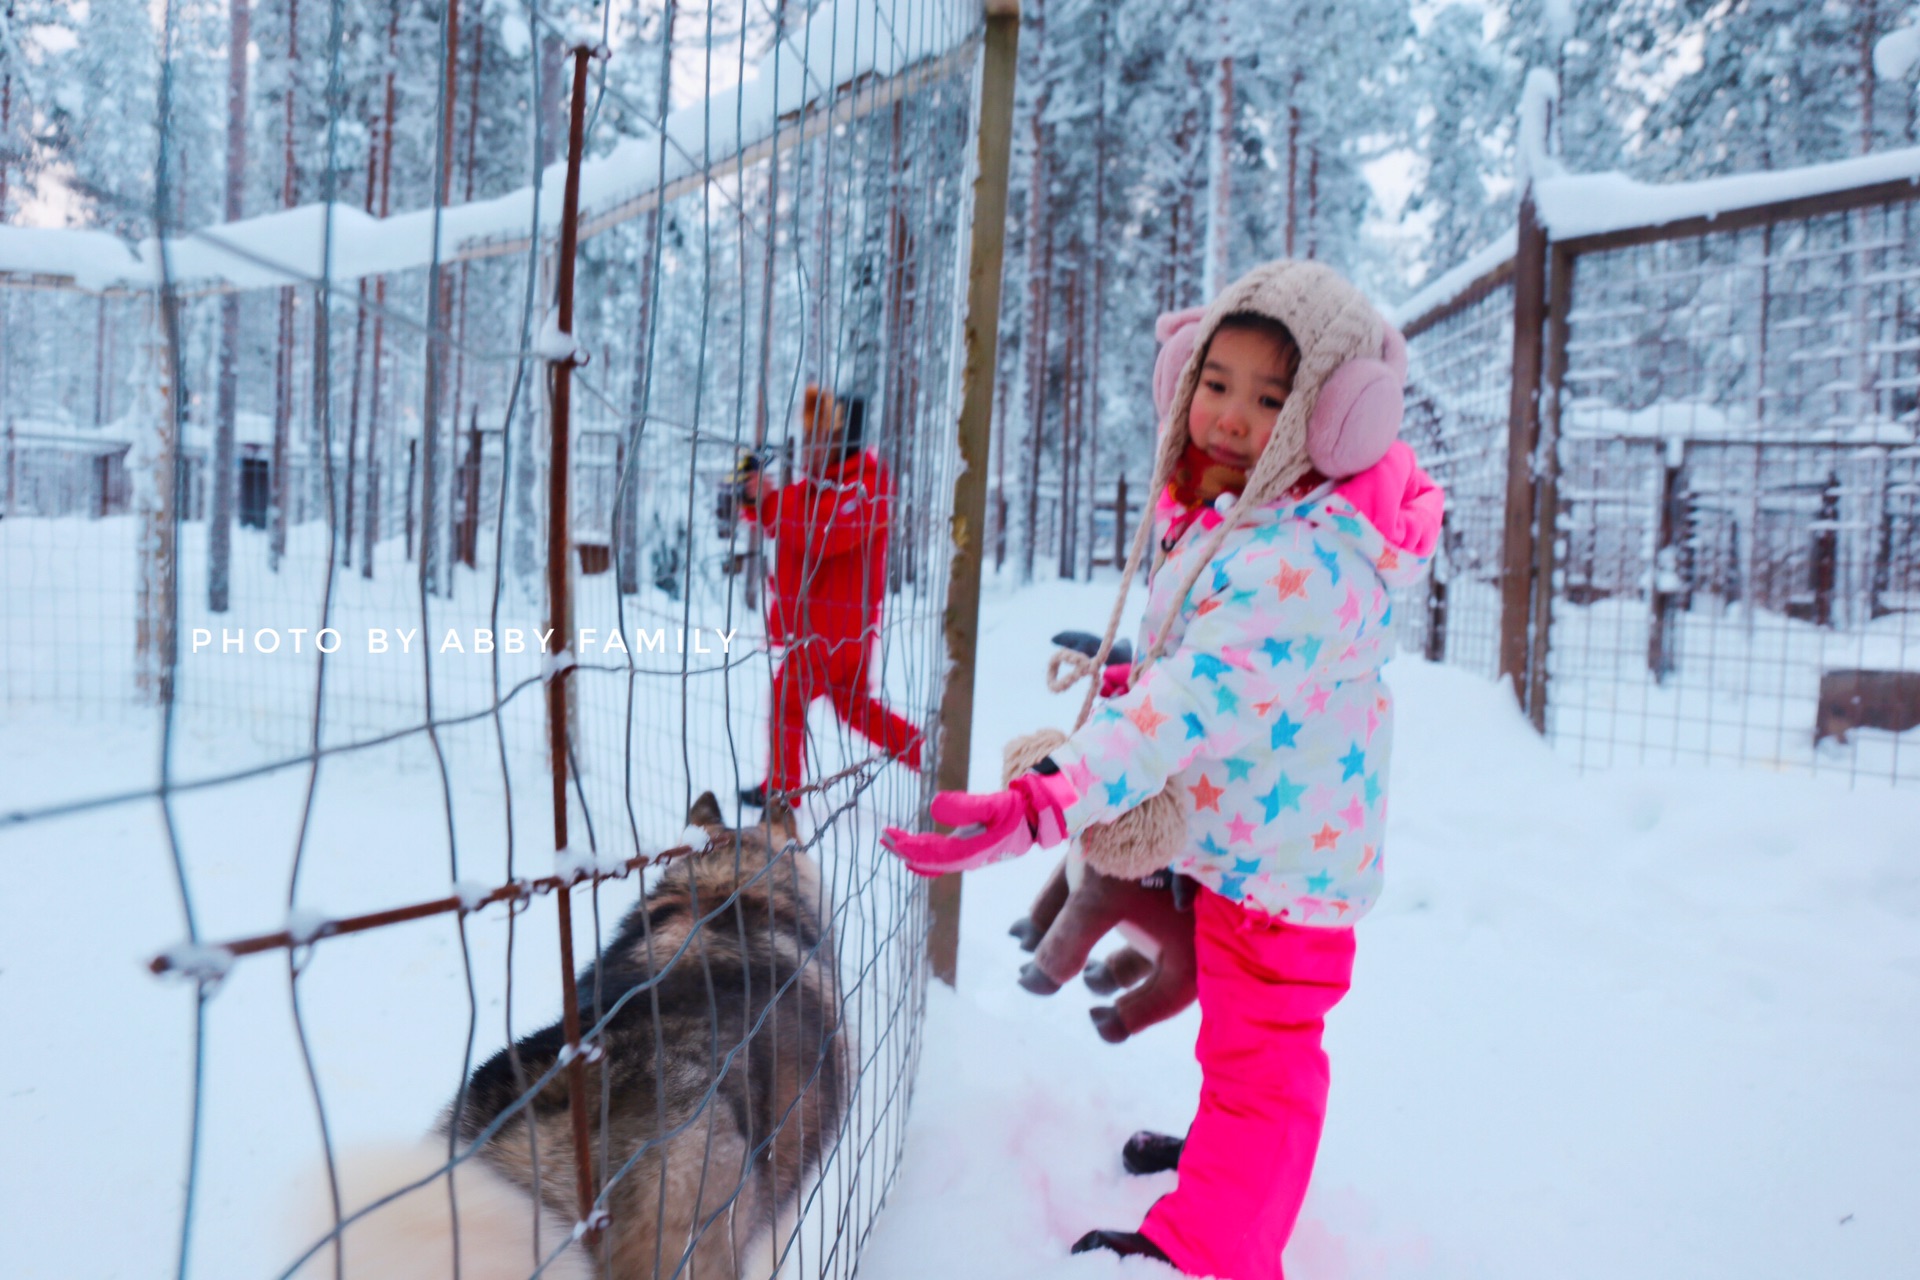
column 1247, row 376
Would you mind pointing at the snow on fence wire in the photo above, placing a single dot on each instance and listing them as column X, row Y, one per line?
column 328, row 683
column 1717, row 414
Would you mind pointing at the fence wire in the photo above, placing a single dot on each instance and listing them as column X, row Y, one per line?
column 1458, row 383
column 339, row 720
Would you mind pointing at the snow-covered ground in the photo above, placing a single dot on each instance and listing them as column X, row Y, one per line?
column 1623, row 1024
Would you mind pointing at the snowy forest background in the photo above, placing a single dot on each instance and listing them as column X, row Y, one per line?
column 1380, row 135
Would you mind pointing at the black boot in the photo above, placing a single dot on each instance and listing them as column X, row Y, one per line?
column 755, row 796
column 1150, row 1152
column 1128, row 1244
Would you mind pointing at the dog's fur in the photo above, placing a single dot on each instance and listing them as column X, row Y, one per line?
column 741, row 962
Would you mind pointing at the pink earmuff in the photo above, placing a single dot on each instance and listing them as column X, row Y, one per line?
column 1358, row 413
column 1175, row 332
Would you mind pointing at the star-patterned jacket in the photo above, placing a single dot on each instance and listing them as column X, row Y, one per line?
column 1267, row 715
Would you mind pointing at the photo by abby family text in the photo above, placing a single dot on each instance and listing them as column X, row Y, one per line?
column 587, row 641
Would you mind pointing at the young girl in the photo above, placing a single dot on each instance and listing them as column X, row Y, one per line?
column 1258, row 706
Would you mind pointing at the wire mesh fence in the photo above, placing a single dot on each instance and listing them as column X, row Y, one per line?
column 1736, row 467
column 1456, row 421
column 304, row 616
column 1720, row 543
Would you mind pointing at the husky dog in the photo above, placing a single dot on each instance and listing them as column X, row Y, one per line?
column 716, row 1089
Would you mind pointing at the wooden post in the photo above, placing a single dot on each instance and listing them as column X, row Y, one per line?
column 1523, row 433
column 1436, row 648
column 1546, row 479
column 1825, row 566
column 468, row 530
column 13, row 469
column 1120, row 521
column 413, row 468
column 1664, row 599
column 976, row 424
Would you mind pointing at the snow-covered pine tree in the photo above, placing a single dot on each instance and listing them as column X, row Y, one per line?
column 1468, row 91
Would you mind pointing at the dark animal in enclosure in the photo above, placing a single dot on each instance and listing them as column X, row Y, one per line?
column 1866, row 700
column 716, row 1088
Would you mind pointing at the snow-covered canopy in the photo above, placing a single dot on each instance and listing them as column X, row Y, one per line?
column 846, row 47
column 1897, row 53
column 1591, row 203
column 1571, row 205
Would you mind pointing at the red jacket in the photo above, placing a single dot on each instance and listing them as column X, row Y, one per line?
column 830, row 553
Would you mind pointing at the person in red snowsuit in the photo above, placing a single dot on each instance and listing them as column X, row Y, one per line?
column 823, row 608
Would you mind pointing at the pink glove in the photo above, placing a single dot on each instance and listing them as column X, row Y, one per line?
column 987, row 828
column 1113, row 680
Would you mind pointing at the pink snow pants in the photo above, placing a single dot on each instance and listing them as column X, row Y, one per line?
column 1265, row 986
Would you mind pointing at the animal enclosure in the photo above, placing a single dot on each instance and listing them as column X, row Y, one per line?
column 1682, row 463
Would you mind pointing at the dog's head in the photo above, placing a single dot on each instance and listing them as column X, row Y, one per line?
column 738, row 853
column 775, row 830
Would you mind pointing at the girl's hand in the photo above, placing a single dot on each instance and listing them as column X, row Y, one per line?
column 989, row 827
column 1113, row 680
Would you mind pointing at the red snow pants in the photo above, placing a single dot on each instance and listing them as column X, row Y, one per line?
column 1265, row 987
column 840, row 672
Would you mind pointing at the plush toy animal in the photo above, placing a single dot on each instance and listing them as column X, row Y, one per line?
column 1080, row 905
column 1154, row 971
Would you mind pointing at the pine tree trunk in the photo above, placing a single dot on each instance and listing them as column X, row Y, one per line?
column 627, row 512
column 6, row 121
column 1069, row 425
column 1039, row 289
column 283, row 349
column 756, row 540
column 1313, row 200
column 1094, row 311
column 100, row 361
column 1185, row 218
column 353, row 392
column 999, row 513
column 438, row 578
column 894, row 373
column 1869, row 23
column 456, row 515
column 1039, row 320
column 371, row 535
column 1293, row 161
column 1219, row 203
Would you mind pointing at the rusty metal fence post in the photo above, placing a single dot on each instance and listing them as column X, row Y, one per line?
column 995, row 138
column 560, row 619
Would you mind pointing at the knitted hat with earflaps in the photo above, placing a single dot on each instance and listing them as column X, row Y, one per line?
column 1334, row 325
